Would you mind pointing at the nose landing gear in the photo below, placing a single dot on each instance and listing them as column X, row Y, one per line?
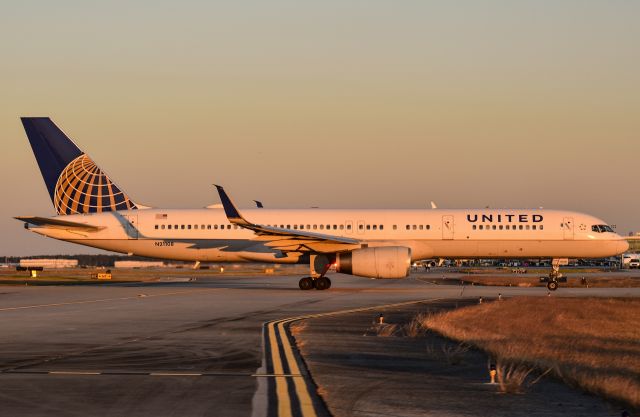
column 555, row 276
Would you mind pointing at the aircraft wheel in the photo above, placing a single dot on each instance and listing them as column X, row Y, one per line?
column 322, row 283
column 306, row 283
column 552, row 285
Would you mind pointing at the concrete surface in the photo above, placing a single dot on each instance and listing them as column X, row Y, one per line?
column 106, row 350
column 364, row 375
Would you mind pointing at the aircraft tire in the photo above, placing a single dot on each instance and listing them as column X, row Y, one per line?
column 322, row 283
column 306, row 283
column 552, row 285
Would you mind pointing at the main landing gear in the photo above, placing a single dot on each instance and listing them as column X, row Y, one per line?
column 317, row 280
column 555, row 276
column 320, row 283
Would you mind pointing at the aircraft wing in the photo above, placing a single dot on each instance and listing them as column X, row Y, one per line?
column 287, row 239
column 58, row 224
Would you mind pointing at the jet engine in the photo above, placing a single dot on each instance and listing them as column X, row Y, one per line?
column 383, row 262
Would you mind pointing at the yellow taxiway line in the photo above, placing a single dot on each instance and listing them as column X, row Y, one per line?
column 285, row 363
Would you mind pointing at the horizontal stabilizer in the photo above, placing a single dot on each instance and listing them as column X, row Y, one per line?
column 58, row 224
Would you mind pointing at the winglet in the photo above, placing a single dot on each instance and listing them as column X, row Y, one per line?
column 230, row 209
column 258, row 203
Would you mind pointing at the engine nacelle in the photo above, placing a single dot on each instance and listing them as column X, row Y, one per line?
column 383, row 262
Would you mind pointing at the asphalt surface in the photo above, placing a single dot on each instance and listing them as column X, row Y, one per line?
column 169, row 349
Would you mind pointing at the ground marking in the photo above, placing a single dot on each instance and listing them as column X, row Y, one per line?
column 277, row 331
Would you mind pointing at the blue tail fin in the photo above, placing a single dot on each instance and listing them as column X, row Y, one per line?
column 74, row 181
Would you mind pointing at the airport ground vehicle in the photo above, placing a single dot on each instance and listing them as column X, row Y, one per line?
column 94, row 211
column 634, row 263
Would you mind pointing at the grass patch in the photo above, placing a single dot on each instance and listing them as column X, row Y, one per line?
column 591, row 281
column 590, row 343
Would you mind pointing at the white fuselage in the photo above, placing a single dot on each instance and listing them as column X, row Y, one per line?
column 207, row 235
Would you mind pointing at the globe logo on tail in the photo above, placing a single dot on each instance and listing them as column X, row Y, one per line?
column 83, row 188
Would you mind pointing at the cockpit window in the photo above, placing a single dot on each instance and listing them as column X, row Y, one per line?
column 601, row 228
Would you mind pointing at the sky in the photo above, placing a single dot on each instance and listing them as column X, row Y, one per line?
column 345, row 104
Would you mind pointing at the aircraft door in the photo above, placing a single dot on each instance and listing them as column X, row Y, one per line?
column 447, row 227
column 567, row 228
column 131, row 225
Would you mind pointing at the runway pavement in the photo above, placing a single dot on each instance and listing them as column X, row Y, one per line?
column 184, row 348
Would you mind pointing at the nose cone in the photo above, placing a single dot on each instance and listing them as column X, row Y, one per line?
column 623, row 245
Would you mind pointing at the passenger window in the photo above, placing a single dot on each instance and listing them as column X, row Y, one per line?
column 360, row 227
column 527, row 227
column 342, row 227
column 493, row 227
column 520, row 227
column 408, row 227
column 169, row 227
column 235, row 226
column 308, row 227
column 348, row 227
column 541, row 227
column 315, row 226
column 228, row 227
column 328, row 227
column 421, row 227
column 156, row 227
column 533, row 227
column 474, row 227
column 381, row 227
column 176, row 227
column 500, row 227
column 182, row 226
column 162, row 227
column 414, row 227
column 195, row 226
column 395, row 227
column 208, row 227
column 375, row 227
column 322, row 227
column 428, row 226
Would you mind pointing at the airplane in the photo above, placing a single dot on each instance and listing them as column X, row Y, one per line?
column 93, row 211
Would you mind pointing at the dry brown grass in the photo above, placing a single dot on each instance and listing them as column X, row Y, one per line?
column 415, row 327
column 591, row 343
column 593, row 281
column 385, row 330
column 454, row 353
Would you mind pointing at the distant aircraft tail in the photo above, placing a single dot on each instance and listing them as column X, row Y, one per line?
column 75, row 183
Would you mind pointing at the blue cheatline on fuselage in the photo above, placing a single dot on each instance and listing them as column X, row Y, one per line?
column 75, row 183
